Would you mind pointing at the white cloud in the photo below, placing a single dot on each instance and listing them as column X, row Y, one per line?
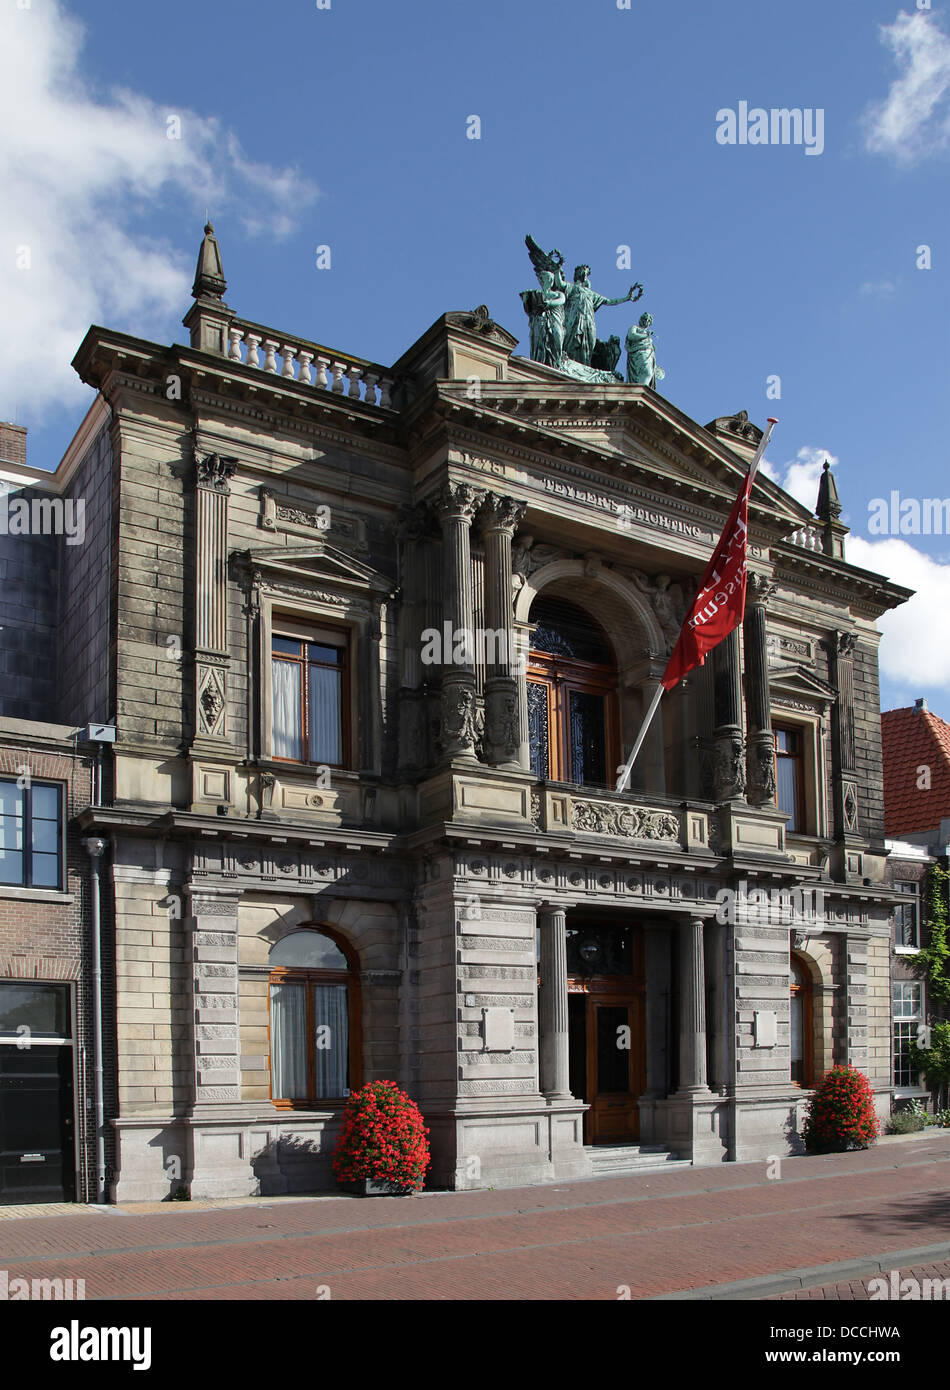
column 910, row 655
column 881, row 289
column 913, row 119
column 77, row 173
column 799, row 476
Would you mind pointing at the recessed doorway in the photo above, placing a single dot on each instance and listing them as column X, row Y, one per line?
column 606, row 1028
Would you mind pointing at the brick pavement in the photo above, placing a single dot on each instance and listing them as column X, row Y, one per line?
column 857, row 1290
column 654, row 1234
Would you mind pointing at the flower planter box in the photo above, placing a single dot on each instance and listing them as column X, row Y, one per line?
column 382, row 1149
column 377, row 1187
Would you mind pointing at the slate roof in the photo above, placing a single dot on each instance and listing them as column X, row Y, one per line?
column 914, row 738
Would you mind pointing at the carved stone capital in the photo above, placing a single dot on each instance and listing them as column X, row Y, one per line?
column 842, row 644
column 457, row 502
column 759, row 589
column 500, row 513
column 214, row 471
column 414, row 523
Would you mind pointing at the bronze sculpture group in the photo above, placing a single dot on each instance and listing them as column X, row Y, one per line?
column 562, row 329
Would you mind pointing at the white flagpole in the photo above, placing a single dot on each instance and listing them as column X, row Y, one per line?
column 624, row 777
column 627, row 768
column 763, row 445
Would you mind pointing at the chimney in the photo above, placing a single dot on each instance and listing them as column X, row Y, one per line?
column 12, row 443
column 920, row 706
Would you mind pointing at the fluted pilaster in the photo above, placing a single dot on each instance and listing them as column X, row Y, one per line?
column 692, row 1006
column 499, row 517
column 456, row 506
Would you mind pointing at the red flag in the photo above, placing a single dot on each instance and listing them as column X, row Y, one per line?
column 719, row 605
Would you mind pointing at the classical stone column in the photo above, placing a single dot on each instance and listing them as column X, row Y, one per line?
column 499, row 517
column 553, row 1003
column 760, row 751
column 692, row 1007
column 456, row 505
column 729, row 762
column 211, row 596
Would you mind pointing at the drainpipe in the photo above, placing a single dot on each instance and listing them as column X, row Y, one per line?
column 95, row 849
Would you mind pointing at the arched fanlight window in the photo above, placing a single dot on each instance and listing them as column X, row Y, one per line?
column 801, row 1020
column 314, row 1019
column 572, row 699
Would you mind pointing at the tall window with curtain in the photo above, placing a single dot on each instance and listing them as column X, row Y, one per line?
column 790, row 775
column 309, row 693
column 314, row 1021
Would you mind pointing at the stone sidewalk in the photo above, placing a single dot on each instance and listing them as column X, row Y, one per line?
column 699, row 1233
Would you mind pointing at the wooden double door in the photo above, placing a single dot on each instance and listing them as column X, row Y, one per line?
column 607, row 1055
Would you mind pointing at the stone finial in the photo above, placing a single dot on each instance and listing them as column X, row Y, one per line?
column 209, row 274
column 827, row 508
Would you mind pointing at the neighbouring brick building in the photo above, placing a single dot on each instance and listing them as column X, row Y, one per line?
column 47, row 1043
column 916, row 749
column 346, row 841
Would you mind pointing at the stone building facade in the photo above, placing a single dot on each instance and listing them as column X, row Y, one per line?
column 377, row 640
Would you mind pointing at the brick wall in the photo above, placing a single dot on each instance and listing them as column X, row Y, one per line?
column 46, row 940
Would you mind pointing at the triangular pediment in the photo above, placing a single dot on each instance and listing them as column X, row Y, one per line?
column 626, row 430
column 316, row 562
column 791, row 681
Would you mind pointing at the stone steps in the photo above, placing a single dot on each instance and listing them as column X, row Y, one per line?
column 615, row 1159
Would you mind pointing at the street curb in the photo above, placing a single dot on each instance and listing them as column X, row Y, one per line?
column 791, row 1280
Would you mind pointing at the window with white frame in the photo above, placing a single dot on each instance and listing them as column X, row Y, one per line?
column 907, row 914
column 907, row 1017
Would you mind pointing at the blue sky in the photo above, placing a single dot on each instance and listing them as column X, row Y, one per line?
column 347, row 127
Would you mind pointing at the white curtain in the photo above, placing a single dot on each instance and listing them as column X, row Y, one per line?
column 331, row 1040
column 288, row 1041
column 325, row 740
column 285, row 697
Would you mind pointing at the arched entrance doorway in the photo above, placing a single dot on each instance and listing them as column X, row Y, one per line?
column 606, row 1021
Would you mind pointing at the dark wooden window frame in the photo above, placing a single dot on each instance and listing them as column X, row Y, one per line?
column 799, row 761
column 342, row 643
column 560, row 675
column 804, row 989
column 298, row 974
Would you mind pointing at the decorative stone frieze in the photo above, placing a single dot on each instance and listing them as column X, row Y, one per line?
column 633, row 822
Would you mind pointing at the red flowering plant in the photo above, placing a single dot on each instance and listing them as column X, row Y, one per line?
column 383, row 1139
column 841, row 1113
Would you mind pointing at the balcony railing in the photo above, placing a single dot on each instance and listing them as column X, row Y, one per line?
column 309, row 364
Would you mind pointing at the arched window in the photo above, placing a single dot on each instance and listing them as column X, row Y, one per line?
column 572, row 696
column 801, row 1017
column 314, row 1020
